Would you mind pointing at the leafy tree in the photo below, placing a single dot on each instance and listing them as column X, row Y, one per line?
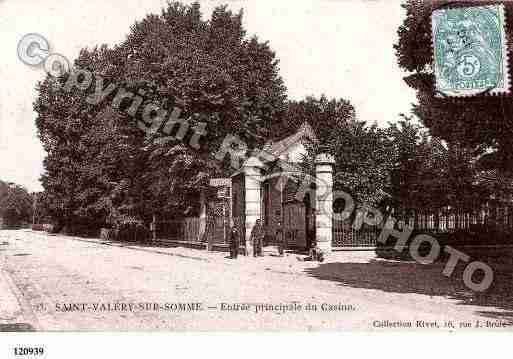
column 428, row 175
column 15, row 204
column 100, row 164
column 362, row 152
column 64, row 120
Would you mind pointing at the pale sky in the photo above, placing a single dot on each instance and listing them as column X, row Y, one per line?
column 342, row 48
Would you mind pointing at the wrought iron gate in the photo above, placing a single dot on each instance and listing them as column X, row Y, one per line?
column 344, row 235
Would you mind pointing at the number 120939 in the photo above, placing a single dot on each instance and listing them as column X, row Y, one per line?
column 28, row 351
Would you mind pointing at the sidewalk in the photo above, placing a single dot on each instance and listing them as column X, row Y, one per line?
column 15, row 315
column 10, row 310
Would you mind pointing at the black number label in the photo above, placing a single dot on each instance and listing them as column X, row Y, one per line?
column 23, row 351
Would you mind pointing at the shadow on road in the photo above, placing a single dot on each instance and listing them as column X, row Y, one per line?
column 411, row 277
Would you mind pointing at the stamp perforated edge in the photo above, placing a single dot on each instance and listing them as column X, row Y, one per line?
column 506, row 87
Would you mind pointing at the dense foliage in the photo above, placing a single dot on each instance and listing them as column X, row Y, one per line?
column 429, row 174
column 362, row 152
column 100, row 165
column 15, row 204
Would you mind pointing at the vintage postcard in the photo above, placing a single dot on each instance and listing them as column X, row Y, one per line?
column 185, row 166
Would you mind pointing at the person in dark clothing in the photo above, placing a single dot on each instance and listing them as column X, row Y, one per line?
column 257, row 238
column 280, row 239
column 309, row 240
column 234, row 242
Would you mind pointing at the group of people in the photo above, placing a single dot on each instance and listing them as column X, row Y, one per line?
column 257, row 241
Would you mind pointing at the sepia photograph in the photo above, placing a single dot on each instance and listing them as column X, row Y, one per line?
column 255, row 166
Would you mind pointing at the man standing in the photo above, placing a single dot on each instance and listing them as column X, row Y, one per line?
column 257, row 237
column 280, row 239
column 234, row 242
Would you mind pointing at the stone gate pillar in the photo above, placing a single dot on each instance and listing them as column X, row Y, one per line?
column 252, row 169
column 324, row 200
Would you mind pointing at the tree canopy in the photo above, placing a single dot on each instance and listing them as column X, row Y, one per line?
column 15, row 204
column 100, row 164
column 361, row 151
column 429, row 175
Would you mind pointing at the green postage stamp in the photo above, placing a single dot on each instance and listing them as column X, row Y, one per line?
column 470, row 52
